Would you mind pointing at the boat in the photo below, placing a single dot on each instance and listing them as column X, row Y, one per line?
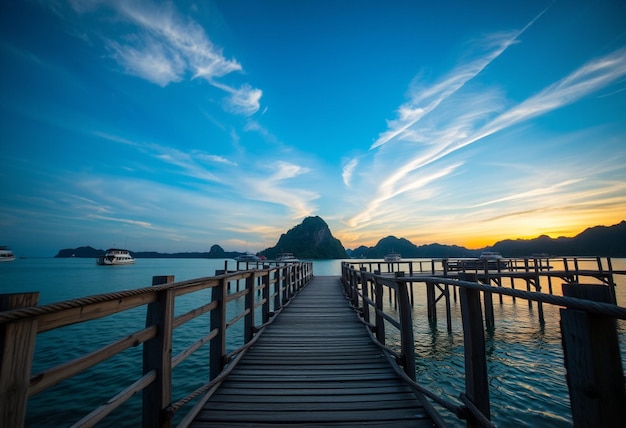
column 491, row 260
column 393, row 257
column 490, row 255
column 287, row 258
column 6, row 255
column 115, row 256
column 247, row 258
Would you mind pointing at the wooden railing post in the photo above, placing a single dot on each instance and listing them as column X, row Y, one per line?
column 248, row 328
column 284, row 274
column 380, row 321
column 592, row 361
column 157, row 355
column 365, row 309
column 17, row 346
column 476, row 382
column 217, row 346
column 277, row 292
column 407, row 338
column 265, row 308
column 354, row 292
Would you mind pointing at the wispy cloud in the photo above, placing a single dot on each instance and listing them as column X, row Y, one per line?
column 348, row 171
column 457, row 133
column 543, row 191
column 144, row 224
column 163, row 47
column 276, row 188
column 244, row 100
column 387, row 191
column 214, row 158
column 424, row 100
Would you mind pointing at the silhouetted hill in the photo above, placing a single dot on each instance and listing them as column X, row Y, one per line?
column 409, row 250
column 81, row 252
column 311, row 239
column 596, row 241
column 216, row 252
column 606, row 241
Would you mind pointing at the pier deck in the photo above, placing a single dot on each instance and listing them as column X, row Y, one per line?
column 314, row 367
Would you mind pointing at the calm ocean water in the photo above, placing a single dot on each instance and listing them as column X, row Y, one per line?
column 525, row 360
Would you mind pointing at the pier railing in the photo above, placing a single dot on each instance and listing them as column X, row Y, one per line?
column 266, row 290
column 588, row 312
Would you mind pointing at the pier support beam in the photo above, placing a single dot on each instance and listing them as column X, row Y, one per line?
column 476, row 381
column 592, row 360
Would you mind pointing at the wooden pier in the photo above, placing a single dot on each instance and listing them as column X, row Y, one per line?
column 315, row 366
column 317, row 351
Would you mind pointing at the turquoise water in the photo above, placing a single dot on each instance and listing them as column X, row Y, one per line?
column 525, row 361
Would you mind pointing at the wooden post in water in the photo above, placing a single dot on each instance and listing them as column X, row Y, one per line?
column 448, row 310
column 157, row 356
column 431, row 303
column 17, row 346
column 406, row 327
column 488, row 303
column 476, row 382
column 592, row 360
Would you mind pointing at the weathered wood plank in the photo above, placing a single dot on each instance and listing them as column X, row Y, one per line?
column 396, row 424
column 315, row 365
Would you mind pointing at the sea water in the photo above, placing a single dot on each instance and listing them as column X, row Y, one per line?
column 524, row 357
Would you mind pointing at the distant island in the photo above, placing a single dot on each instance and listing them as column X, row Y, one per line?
column 312, row 239
column 216, row 252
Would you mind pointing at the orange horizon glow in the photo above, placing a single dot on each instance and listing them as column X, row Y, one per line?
column 469, row 239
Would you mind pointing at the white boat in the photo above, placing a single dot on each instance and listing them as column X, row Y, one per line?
column 287, row 258
column 393, row 257
column 247, row 258
column 115, row 256
column 490, row 255
column 6, row 255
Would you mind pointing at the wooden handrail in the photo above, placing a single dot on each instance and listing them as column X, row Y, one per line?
column 475, row 406
column 19, row 315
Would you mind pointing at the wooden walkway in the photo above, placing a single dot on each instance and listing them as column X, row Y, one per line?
column 314, row 366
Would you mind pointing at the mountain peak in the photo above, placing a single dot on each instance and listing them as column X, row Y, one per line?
column 311, row 239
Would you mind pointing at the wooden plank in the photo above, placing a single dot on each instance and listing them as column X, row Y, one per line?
column 377, row 424
column 315, row 364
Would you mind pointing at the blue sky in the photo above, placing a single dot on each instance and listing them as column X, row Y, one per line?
column 173, row 126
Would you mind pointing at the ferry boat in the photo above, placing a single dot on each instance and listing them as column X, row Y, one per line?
column 115, row 256
column 287, row 258
column 393, row 257
column 491, row 260
column 6, row 255
column 247, row 258
column 490, row 255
